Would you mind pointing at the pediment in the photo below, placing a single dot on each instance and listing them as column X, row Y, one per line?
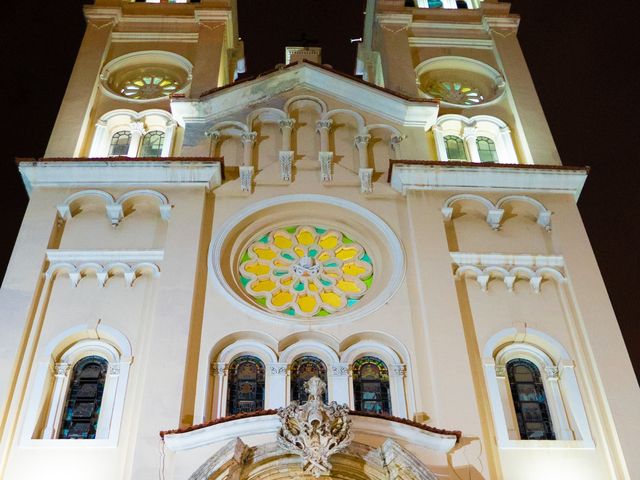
column 308, row 77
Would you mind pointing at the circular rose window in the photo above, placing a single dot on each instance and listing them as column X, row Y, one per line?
column 306, row 270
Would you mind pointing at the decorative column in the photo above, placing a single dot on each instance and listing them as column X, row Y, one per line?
column 395, row 145
column 247, row 169
column 323, row 127
column 365, row 173
column 470, row 136
column 561, row 426
column 506, row 144
column 397, row 373
column 276, row 385
column 137, row 132
column 108, row 400
column 214, row 138
column 219, row 373
column 169, row 133
column 58, row 398
column 100, row 144
column 507, row 419
column 339, row 383
column 441, row 148
column 285, row 156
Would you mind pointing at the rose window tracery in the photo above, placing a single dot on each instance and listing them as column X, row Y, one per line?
column 306, row 271
column 456, row 92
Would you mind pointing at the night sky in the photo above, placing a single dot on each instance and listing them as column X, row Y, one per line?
column 580, row 59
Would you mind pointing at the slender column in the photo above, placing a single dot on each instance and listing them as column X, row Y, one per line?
column 339, row 391
column 100, row 145
column 394, row 144
column 285, row 156
column 323, row 127
column 397, row 373
column 365, row 173
column 507, row 418
column 470, row 136
column 441, row 148
column 277, row 385
column 559, row 415
column 509, row 151
column 61, row 376
column 248, row 140
column 137, row 132
column 219, row 372
column 169, row 133
column 286, row 127
column 214, row 138
column 108, row 401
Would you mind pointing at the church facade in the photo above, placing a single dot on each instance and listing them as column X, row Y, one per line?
column 308, row 274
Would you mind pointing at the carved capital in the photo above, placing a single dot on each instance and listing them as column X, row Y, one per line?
column 396, row 139
column 248, row 138
column 61, row 369
column 287, row 123
column 218, row 369
column 340, row 369
column 213, row 135
column 398, row 370
column 362, row 141
column 278, row 369
column 114, row 369
column 324, row 125
column 137, row 127
column 552, row 373
column 501, row 371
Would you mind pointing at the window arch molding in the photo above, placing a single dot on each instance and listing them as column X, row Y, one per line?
column 138, row 124
column 51, row 381
column 469, row 130
column 395, row 365
column 556, row 368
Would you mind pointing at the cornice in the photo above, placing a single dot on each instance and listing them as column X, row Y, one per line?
column 93, row 13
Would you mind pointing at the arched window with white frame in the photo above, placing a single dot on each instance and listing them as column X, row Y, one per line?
column 533, row 390
column 78, row 393
column 371, row 385
column 302, row 370
column 123, row 132
column 245, row 391
column 479, row 139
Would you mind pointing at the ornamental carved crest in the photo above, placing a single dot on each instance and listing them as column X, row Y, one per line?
column 315, row 431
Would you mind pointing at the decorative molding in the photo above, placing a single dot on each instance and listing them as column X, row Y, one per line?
column 326, row 166
column 278, row 369
column 246, row 177
column 552, row 372
column 398, row 370
column 507, row 260
column 105, row 264
column 286, row 161
column 366, row 179
column 509, row 275
column 315, row 431
column 115, row 210
column 219, row 369
column 118, row 173
column 501, row 371
column 495, row 212
column 340, row 369
column 61, row 369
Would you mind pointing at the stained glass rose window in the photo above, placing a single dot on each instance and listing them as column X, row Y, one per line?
column 306, row 271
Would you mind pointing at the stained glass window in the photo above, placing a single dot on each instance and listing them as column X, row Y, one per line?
column 529, row 400
column 84, row 399
column 306, row 270
column 148, row 83
column 455, row 148
column 371, row 385
column 302, row 369
column 455, row 92
column 152, row 144
column 246, row 385
column 487, row 149
column 120, row 143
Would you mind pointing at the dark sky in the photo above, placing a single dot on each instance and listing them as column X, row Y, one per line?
column 580, row 58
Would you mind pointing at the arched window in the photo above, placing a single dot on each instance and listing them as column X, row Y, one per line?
column 461, row 4
column 455, row 148
column 371, row 385
column 529, row 400
column 246, row 385
column 152, row 144
column 84, row 399
column 302, row 369
column 487, row 149
column 120, row 142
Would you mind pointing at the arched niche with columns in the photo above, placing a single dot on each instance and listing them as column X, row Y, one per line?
column 557, row 369
column 50, row 383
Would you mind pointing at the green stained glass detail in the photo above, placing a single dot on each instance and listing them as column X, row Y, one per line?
column 321, row 230
column 279, row 273
column 287, row 256
column 262, row 301
column 313, row 253
column 291, row 229
column 290, row 311
column 346, row 240
column 299, row 287
column 366, row 258
column 264, row 239
column 326, row 283
column 322, row 313
column 244, row 281
column 331, row 264
column 245, row 257
column 368, row 282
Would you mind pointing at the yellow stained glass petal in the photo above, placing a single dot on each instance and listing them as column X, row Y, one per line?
column 282, row 242
column 331, row 274
column 281, row 298
column 257, row 269
column 346, row 253
column 265, row 253
column 286, row 281
column 307, row 303
column 280, row 263
column 312, row 287
column 263, row 286
column 324, row 256
column 299, row 252
column 331, row 298
column 346, row 286
column 305, row 237
column 328, row 242
column 353, row 268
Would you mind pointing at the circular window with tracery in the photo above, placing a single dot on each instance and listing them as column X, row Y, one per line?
column 459, row 93
column 306, row 271
column 147, row 84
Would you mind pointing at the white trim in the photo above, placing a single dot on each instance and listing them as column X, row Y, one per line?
column 387, row 234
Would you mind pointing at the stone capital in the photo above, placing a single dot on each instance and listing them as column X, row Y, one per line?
column 278, row 369
column 324, row 125
column 61, row 369
column 218, row 369
column 287, row 123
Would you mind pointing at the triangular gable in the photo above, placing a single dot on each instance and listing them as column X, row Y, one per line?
column 406, row 111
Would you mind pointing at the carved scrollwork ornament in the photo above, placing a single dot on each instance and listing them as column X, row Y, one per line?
column 501, row 371
column 552, row 373
column 314, row 431
column 61, row 369
column 278, row 368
